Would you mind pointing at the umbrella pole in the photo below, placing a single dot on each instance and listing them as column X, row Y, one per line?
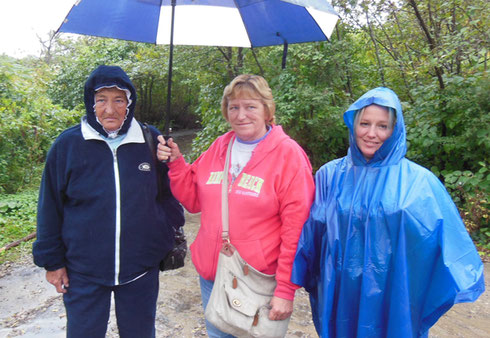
column 284, row 51
column 284, row 54
column 169, row 84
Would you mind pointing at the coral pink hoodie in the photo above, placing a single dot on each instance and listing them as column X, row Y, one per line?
column 268, row 204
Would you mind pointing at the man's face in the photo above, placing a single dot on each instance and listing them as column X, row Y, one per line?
column 110, row 107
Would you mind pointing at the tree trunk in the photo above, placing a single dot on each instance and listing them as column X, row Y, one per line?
column 378, row 59
column 150, row 96
column 432, row 44
column 348, row 85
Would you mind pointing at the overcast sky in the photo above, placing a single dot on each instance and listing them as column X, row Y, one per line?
column 22, row 20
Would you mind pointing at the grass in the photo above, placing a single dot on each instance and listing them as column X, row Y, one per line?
column 17, row 220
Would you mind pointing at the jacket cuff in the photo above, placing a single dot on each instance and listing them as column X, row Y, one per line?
column 54, row 267
column 49, row 255
column 176, row 164
column 285, row 291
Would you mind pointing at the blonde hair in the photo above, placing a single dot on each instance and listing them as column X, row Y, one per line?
column 253, row 87
column 391, row 116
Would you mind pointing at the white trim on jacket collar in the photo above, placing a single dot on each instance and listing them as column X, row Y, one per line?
column 134, row 134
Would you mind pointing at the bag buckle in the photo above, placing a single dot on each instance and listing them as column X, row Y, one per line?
column 227, row 248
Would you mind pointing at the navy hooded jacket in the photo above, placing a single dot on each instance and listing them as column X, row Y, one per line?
column 99, row 211
column 384, row 252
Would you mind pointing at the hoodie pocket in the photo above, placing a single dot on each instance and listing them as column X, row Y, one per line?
column 204, row 254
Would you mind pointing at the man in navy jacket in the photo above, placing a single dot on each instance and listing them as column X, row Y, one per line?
column 103, row 223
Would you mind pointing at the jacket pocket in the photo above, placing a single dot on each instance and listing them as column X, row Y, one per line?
column 204, row 254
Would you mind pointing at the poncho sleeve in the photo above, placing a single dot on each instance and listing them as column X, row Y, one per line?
column 446, row 259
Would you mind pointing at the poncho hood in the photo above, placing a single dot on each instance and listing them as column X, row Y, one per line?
column 108, row 76
column 395, row 147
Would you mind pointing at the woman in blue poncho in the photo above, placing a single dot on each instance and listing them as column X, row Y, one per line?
column 384, row 252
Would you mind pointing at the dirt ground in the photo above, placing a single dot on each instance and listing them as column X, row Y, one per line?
column 30, row 307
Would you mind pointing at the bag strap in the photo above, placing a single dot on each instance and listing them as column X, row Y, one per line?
column 224, row 195
column 151, row 145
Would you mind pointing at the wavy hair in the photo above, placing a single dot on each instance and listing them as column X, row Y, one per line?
column 247, row 86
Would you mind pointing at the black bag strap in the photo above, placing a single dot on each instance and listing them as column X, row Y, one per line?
column 151, row 145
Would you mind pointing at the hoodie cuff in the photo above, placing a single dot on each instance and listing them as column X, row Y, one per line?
column 176, row 164
column 285, row 291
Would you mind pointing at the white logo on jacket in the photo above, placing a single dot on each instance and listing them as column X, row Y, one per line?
column 145, row 166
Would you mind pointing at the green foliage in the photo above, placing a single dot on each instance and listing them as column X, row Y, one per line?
column 469, row 190
column 75, row 60
column 29, row 124
column 305, row 113
column 449, row 130
column 17, row 219
column 212, row 120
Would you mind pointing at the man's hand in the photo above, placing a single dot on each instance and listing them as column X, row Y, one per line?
column 59, row 278
column 167, row 150
column 281, row 308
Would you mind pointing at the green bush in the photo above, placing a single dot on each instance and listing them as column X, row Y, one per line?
column 30, row 122
column 448, row 130
column 211, row 118
column 17, row 220
column 307, row 116
column 470, row 192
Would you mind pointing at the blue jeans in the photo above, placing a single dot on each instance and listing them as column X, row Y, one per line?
column 213, row 331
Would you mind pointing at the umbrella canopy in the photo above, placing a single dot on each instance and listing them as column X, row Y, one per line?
column 238, row 23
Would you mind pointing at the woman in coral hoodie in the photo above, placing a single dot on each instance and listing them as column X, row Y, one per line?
column 271, row 189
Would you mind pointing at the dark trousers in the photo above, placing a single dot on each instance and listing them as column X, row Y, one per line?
column 88, row 307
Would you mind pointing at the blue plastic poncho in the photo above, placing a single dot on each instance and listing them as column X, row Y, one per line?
column 384, row 252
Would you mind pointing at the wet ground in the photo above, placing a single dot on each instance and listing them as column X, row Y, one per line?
column 30, row 307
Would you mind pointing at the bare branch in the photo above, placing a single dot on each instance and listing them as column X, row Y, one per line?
column 16, row 243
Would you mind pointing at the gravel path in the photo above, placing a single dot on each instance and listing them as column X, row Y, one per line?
column 30, row 307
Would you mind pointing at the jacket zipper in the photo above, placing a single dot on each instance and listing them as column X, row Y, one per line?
column 118, row 220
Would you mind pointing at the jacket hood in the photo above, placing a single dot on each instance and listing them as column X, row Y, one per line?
column 395, row 147
column 108, row 76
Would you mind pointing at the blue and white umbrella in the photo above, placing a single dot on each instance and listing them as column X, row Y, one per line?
column 232, row 23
